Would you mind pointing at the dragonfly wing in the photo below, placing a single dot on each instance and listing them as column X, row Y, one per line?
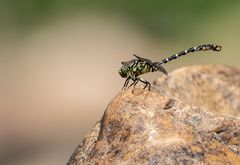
column 143, row 59
column 127, row 63
column 163, row 70
column 160, row 68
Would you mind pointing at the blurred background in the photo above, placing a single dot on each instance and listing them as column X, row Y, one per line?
column 59, row 62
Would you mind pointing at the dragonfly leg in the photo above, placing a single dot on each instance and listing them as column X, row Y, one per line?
column 126, row 83
column 146, row 83
column 135, row 81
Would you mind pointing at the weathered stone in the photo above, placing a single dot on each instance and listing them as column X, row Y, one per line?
column 150, row 127
column 215, row 87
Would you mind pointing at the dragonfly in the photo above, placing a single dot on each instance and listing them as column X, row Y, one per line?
column 138, row 66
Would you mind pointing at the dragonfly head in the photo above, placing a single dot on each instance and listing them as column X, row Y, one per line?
column 123, row 71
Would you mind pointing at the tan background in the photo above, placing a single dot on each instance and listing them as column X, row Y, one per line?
column 59, row 70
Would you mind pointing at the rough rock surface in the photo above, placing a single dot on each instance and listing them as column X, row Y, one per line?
column 215, row 87
column 157, row 127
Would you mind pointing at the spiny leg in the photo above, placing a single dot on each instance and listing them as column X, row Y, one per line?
column 145, row 82
column 135, row 81
column 126, row 83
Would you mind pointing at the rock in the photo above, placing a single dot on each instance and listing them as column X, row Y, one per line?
column 215, row 87
column 157, row 127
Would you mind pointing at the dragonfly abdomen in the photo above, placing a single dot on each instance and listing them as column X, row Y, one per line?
column 204, row 47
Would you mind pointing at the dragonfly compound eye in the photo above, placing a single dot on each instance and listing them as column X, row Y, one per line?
column 123, row 71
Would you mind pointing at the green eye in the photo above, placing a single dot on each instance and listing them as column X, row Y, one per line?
column 123, row 71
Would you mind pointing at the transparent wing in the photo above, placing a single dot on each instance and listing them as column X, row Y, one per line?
column 143, row 59
column 160, row 68
column 127, row 63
